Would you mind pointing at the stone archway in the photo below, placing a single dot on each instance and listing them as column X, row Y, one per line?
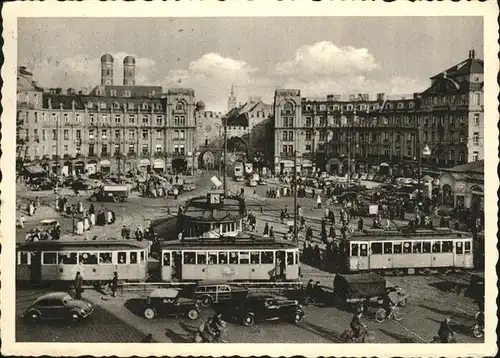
column 238, row 145
column 333, row 166
column 207, row 160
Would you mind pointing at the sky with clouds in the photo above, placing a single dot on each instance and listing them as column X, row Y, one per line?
column 319, row 55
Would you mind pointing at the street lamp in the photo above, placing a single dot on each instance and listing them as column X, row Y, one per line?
column 424, row 152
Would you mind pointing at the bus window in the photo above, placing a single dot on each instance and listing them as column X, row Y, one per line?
column 233, row 257
column 426, row 247
column 363, row 251
column 122, row 258
column 24, row 258
column 189, row 257
column 459, row 249
column 255, row 257
column 88, row 258
column 354, row 249
column 212, row 258
column 406, row 247
column 447, row 246
column 467, row 247
column 417, row 247
column 222, row 258
column 244, row 257
column 201, row 258
column 166, row 259
column 133, row 257
column 436, row 246
column 387, row 248
column 289, row 258
column 68, row 258
column 397, row 248
column 267, row 257
column 376, row 248
column 49, row 258
column 105, row 258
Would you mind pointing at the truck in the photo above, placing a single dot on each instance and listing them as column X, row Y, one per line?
column 115, row 193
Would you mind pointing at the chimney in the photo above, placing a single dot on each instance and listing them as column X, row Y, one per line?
column 380, row 96
column 472, row 54
column 415, row 95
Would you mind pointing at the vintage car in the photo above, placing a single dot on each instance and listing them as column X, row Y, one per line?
column 262, row 307
column 188, row 186
column 58, row 306
column 115, row 193
column 216, row 292
column 169, row 302
column 180, row 189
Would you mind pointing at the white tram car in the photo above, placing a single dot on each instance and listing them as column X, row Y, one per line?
column 398, row 252
column 42, row 261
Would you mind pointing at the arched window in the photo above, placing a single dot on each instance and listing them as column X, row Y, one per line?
column 116, row 105
column 144, row 106
column 288, row 108
column 179, row 106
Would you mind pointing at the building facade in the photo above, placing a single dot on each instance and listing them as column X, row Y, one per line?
column 76, row 133
column 343, row 134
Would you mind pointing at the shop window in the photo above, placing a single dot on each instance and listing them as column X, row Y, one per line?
column 376, row 248
column 447, row 246
column 133, row 257
column 233, row 257
column 49, row 258
column 122, row 258
column 67, row 258
column 255, row 257
column 267, row 257
column 398, row 247
column 222, row 258
column 105, row 258
column 436, row 246
column 387, row 248
column 426, row 247
column 212, row 258
column 88, row 258
column 201, row 258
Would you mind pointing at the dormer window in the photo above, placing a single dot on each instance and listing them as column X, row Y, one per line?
column 103, row 105
column 349, row 107
column 388, row 106
column 130, row 106
column 144, row 106
column 112, row 93
column 179, row 106
column 127, row 93
column 116, row 105
column 412, row 104
column 400, row 105
column 90, row 105
column 336, row 107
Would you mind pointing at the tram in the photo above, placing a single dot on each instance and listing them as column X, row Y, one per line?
column 47, row 261
column 238, row 259
column 401, row 252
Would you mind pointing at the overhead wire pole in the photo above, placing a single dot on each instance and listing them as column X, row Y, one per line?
column 225, row 156
column 295, row 211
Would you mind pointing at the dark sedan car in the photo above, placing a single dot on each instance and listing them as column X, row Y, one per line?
column 263, row 307
column 168, row 302
column 58, row 306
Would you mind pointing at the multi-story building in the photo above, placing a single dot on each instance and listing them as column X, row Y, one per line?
column 388, row 133
column 118, row 128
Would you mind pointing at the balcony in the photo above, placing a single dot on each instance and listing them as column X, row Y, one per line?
column 178, row 154
column 286, row 155
column 159, row 154
column 131, row 154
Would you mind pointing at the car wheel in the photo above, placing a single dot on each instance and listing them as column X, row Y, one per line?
column 298, row 317
column 193, row 314
column 74, row 316
column 477, row 331
column 380, row 315
column 33, row 316
column 248, row 319
column 206, row 301
column 149, row 313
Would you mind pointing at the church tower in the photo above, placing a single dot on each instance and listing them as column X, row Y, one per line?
column 129, row 71
column 107, row 69
column 231, row 103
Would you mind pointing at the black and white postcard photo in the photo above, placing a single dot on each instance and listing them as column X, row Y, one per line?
column 249, row 178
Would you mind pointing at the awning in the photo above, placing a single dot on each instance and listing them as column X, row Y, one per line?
column 384, row 165
column 307, row 163
column 105, row 163
column 158, row 163
column 477, row 192
column 288, row 163
column 35, row 169
column 144, row 162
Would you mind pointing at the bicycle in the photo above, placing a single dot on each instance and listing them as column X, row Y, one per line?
column 395, row 313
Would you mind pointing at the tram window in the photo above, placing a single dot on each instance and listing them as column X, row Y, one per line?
column 255, row 257
column 49, row 258
column 417, row 247
column 447, row 246
column 224, row 227
column 212, row 258
column 244, row 257
column 122, row 258
column 296, row 257
column 387, row 247
column 222, row 258
column 189, row 257
column 354, row 249
column 68, row 258
column 88, row 258
column 376, row 248
column 142, row 256
column 267, row 257
column 166, row 259
column 398, row 248
column 23, row 258
column 289, row 258
column 363, row 251
column 133, row 257
column 436, row 246
column 232, row 227
column 406, row 247
column 459, row 249
column 105, row 258
column 467, row 247
column 233, row 257
column 201, row 258
column 426, row 247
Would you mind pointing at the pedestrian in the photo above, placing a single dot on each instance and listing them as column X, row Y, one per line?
column 124, row 233
column 114, row 283
column 91, row 209
column 360, row 224
column 266, row 229
column 22, row 220
column 318, row 201
column 78, row 286
column 271, row 232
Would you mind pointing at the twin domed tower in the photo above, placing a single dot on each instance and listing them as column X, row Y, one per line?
column 107, row 63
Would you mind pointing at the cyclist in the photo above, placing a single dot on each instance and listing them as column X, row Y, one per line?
column 356, row 324
column 388, row 304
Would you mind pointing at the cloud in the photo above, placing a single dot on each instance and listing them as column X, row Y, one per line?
column 84, row 72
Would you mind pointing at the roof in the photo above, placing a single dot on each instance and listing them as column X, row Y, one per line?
column 35, row 169
column 418, row 235
column 52, row 295
column 200, row 209
column 57, row 245
column 164, row 292
column 476, row 167
column 361, row 277
column 219, row 245
column 82, row 101
column 470, row 65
